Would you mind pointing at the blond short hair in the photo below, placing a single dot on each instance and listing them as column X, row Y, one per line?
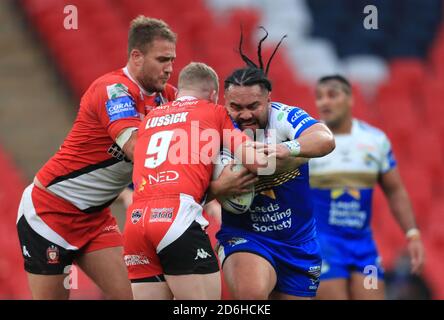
column 198, row 76
column 144, row 30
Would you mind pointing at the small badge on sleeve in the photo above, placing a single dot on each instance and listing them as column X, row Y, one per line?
column 121, row 107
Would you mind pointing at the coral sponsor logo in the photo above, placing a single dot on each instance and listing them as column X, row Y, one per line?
column 121, row 107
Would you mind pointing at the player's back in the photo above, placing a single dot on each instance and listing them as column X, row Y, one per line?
column 176, row 146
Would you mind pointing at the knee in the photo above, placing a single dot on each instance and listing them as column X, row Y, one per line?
column 250, row 292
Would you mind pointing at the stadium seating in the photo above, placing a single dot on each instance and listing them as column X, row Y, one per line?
column 398, row 73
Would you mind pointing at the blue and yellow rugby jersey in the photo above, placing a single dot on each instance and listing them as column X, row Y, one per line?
column 282, row 208
column 343, row 181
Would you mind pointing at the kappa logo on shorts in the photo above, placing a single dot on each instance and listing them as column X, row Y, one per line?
column 26, row 252
column 53, row 254
column 202, row 254
column 136, row 215
column 135, row 259
column 161, row 215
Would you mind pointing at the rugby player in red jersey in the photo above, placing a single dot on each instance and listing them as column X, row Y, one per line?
column 167, row 250
column 64, row 215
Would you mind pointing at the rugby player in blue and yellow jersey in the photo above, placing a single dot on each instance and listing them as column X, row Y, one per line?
column 343, row 184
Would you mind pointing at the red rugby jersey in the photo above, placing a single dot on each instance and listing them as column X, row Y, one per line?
column 90, row 170
column 176, row 145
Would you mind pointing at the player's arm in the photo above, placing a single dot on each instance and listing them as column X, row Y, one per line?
column 314, row 141
column 235, row 182
column 251, row 157
column 126, row 140
column 117, row 111
column 126, row 197
column 230, row 183
column 401, row 209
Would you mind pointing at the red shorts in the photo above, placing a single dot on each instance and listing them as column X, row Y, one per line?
column 167, row 236
column 52, row 231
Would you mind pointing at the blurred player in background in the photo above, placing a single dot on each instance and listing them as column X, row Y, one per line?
column 343, row 183
column 64, row 216
column 167, row 250
column 271, row 251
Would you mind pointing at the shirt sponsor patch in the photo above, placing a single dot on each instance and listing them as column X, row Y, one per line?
column 294, row 115
column 121, row 107
column 117, row 90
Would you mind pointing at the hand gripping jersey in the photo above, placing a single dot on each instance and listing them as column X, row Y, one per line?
column 176, row 146
column 90, row 170
column 282, row 208
column 343, row 181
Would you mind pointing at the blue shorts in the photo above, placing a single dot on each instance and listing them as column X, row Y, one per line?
column 297, row 266
column 342, row 256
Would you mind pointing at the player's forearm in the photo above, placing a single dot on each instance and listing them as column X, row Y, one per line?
column 296, row 162
column 401, row 208
column 289, row 163
column 213, row 191
column 316, row 144
column 128, row 147
column 251, row 159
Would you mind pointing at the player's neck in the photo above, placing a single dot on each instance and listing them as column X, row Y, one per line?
column 133, row 76
column 345, row 127
column 189, row 93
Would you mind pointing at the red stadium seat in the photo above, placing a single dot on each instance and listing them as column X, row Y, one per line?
column 419, row 187
column 436, row 226
column 437, row 54
column 432, row 102
column 409, row 73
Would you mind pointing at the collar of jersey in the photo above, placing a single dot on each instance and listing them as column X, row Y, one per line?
column 353, row 129
column 126, row 72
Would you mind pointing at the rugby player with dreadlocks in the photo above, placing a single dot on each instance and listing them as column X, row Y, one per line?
column 271, row 251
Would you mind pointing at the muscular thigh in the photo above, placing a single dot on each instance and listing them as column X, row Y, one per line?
column 107, row 269
column 249, row 275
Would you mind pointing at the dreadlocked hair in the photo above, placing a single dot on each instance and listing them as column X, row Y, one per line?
column 252, row 74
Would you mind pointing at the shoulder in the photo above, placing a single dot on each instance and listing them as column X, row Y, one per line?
column 285, row 114
column 169, row 92
column 114, row 84
column 366, row 131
